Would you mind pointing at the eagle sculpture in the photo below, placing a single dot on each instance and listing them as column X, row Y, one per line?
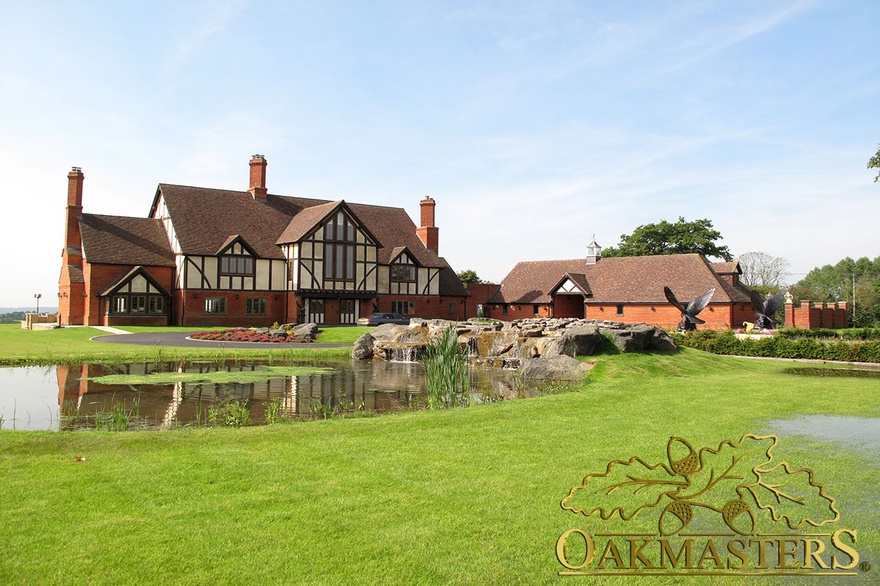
column 765, row 310
column 689, row 319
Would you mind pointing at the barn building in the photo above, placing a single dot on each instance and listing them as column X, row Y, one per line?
column 624, row 289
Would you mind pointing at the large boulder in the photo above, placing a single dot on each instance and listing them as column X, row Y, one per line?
column 633, row 339
column 662, row 341
column 575, row 341
column 363, row 347
column 307, row 331
column 556, row 368
column 639, row 337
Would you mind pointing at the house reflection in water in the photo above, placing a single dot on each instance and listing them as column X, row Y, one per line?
column 377, row 387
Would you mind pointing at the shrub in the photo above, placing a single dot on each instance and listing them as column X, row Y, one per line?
column 853, row 346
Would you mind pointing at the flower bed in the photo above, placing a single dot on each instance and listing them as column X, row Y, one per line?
column 280, row 336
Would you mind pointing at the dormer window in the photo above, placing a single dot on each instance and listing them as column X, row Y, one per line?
column 236, row 265
column 403, row 272
column 236, row 259
column 403, row 269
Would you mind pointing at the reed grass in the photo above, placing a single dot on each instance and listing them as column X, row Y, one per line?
column 446, row 372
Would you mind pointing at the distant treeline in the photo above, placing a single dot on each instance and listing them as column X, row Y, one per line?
column 11, row 318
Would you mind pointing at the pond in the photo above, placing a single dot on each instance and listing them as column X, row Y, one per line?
column 75, row 397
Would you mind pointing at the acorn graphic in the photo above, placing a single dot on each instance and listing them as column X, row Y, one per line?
column 686, row 465
column 738, row 516
column 675, row 517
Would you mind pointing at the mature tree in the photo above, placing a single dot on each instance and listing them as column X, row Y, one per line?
column 839, row 282
column 874, row 163
column 763, row 272
column 468, row 276
column 666, row 238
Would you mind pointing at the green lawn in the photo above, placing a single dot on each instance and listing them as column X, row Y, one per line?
column 465, row 496
column 19, row 346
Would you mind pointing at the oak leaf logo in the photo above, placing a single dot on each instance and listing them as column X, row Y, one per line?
column 736, row 480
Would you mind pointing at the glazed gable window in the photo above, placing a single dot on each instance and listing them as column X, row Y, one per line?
column 236, row 265
column 340, row 233
column 403, row 272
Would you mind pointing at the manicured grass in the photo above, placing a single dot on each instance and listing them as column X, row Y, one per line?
column 467, row 496
column 19, row 346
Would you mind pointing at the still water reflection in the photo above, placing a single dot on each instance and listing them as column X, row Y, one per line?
column 63, row 397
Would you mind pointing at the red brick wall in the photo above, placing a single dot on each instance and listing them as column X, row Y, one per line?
column 100, row 276
column 71, row 299
column 190, row 309
column 479, row 293
column 808, row 316
column 426, row 306
column 568, row 306
column 718, row 316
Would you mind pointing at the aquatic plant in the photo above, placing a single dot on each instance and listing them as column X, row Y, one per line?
column 230, row 413
column 446, row 372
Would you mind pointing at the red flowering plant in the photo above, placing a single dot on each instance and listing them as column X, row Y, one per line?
column 250, row 335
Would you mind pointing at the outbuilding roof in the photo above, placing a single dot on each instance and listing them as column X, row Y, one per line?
column 634, row 279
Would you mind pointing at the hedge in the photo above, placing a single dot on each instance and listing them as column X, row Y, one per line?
column 785, row 345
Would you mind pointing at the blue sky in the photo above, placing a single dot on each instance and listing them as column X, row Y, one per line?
column 534, row 125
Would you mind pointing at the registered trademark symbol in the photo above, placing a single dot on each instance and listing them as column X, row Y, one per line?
column 864, row 566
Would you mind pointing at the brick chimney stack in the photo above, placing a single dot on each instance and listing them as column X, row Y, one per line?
column 428, row 232
column 72, row 235
column 71, row 286
column 258, row 178
column 75, row 187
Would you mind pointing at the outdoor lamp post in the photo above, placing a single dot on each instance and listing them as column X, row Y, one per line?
column 37, row 296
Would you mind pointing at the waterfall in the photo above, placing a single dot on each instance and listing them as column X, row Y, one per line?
column 411, row 353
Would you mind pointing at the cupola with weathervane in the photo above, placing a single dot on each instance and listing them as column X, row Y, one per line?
column 594, row 252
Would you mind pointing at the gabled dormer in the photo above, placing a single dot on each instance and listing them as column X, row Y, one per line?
column 330, row 249
column 403, row 266
column 572, row 284
column 236, row 264
column 136, row 293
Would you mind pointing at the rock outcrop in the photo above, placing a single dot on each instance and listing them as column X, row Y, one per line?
column 512, row 344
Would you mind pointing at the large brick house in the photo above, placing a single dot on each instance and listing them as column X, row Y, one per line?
column 625, row 289
column 221, row 257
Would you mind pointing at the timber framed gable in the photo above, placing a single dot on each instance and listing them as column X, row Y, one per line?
column 337, row 255
column 407, row 277
column 136, row 293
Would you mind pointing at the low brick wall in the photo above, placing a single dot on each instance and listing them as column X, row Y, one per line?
column 40, row 321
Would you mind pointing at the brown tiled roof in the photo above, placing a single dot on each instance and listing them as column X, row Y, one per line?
column 305, row 221
column 204, row 219
column 75, row 274
column 450, row 284
column 634, row 279
column 727, row 268
column 122, row 240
